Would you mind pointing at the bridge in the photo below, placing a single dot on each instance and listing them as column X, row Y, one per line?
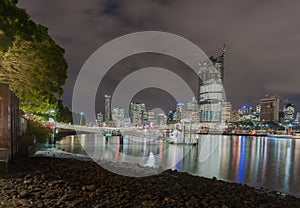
column 154, row 134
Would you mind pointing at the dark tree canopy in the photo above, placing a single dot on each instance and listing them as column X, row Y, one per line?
column 30, row 61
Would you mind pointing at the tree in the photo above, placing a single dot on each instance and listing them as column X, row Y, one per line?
column 30, row 61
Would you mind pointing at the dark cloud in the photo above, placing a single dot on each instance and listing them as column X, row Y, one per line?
column 262, row 37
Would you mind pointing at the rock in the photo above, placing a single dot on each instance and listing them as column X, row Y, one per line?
column 24, row 194
column 27, row 181
column 50, row 195
column 66, row 197
column 72, row 183
column 90, row 187
column 40, row 205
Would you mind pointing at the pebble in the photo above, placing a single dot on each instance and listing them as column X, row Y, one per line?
column 24, row 194
column 55, row 182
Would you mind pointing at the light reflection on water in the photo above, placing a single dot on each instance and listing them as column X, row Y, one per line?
column 257, row 161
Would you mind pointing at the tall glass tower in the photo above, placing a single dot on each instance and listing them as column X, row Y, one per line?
column 107, row 107
column 210, row 89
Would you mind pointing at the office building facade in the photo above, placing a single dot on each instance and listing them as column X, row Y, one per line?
column 288, row 113
column 269, row 109
column 107, row 108
column 137, row 113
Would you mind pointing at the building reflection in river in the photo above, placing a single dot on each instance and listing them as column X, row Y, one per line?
column 258, row 161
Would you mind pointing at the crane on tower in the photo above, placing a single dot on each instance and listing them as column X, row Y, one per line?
column 285, row 101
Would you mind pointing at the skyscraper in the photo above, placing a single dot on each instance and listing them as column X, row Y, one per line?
column 218, row 63
column 210, row 90
column 171, row 116
column 269, row 109
column 226, row 112
column 161, row 120
column 288, row 111
column 298, row 117
column 118, row 115
column 99, row 119
column 179, row 111
column 137, row 113
column 192, row 111
column 107, row 107
column 149, row 116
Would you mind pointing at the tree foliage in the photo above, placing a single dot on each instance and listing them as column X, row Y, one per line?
column 34, row 127
column 30, row 61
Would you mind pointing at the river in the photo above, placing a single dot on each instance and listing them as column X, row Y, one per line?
column 267, row 162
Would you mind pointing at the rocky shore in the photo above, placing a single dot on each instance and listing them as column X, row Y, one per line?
column 56, row 182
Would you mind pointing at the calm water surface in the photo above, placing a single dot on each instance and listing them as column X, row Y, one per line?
column 272, row 163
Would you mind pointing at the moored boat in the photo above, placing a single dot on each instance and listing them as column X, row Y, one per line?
column 296, row 136
column 280, row 135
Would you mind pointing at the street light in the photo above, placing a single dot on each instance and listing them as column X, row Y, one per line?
column 81, row 114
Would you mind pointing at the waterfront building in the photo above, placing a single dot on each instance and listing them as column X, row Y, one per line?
column 250, row 117
column 245, row 110
column 236, row 116
column 127, row 123
column 137, row 113
column 210, row 89
column 107, row 107
column 269, row 109
column 226, row 112
column 100, row 119
column 246, row 113
column 171, row 117
column 298, row 117
column 179, row 111
column 149, row 116
column 161, row 120
column 288, row 112
column 257, row 108
column 118, row 116
column 257, row 112
column 192, row 111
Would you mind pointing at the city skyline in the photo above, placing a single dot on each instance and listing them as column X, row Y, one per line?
column 262, row 46
column 268, row 110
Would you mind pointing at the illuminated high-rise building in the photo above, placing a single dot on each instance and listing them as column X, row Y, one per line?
column 210, row 91
column 244, row 110
column 171, row 117
column 107, row 108
column 179, row 111
column 100, row 119
column 149, row 116
column 192, row 111
column 257, row 109
column 118, row 115
column 137, row 113
column 298, row 117
column 161, row 120
column 269, row 109
column 226, row 112
column 288, row 111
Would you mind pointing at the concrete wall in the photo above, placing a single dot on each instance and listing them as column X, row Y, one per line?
column 9, row 123
column 25, row 144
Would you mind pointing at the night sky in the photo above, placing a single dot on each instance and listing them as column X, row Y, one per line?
column 262, row 39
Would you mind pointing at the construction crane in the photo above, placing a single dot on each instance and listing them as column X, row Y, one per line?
column 285, row 101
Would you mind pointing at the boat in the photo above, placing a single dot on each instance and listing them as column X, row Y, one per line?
column 296, row 136
column 280, row 135
column 176, row 138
